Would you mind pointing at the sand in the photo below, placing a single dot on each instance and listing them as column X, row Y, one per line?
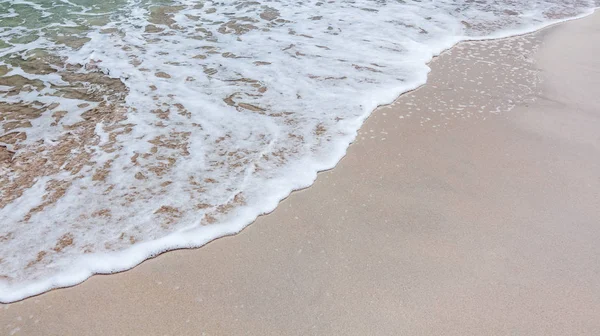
column 483, row 220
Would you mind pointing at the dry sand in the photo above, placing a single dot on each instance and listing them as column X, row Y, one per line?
column 486, row 224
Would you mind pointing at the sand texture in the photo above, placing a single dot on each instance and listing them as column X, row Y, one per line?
column 471, row 206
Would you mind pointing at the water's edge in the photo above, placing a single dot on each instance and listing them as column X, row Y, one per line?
column 115, row 262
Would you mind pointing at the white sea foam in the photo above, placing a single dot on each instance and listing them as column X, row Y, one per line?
column 226, row 108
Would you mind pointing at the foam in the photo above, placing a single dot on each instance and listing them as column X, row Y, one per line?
column 260, row 97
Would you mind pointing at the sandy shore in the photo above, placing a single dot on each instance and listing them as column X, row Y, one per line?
column 469, row 207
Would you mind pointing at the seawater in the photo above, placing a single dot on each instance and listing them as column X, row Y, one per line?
column 133, row 127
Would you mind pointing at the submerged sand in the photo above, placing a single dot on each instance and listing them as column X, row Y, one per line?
column 469, row 207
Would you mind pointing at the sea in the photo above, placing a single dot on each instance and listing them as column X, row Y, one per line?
column 132, row 127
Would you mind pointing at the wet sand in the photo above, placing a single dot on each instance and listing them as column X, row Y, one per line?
column 445, row 218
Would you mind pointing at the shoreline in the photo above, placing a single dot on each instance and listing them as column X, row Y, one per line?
column 155, row 248
column 235, row 250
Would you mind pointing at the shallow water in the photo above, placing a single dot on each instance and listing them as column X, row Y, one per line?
column 133, row 127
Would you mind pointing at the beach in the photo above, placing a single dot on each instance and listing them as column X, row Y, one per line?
column 470, row 206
